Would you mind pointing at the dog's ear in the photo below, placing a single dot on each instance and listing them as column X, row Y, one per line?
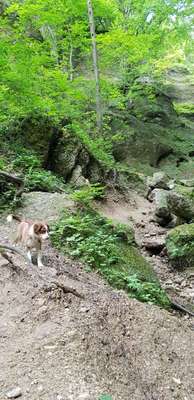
column 48, row 227
column 37, row 228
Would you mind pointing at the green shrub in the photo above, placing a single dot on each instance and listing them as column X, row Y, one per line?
column 105, row 397
column 109, row 249
column 26, row 161
column 43, row 180
column 7, row 198
column 85, row 196
column 180, row 245
column 184, row 108
column 36, row 178
column 2, row 163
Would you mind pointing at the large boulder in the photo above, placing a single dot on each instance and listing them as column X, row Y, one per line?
column 77, row 178
column 68, row 153
column 181, row 206
column 187, row 182
column 159, row 180
column 180, row 246
column 162, row 211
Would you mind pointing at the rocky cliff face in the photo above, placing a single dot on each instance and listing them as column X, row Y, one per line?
column 158, row 129
column 155, row 130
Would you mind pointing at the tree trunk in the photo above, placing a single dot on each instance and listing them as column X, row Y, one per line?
column 71, row 60
column 95, row 64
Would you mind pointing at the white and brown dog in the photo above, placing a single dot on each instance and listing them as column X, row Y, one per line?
column 31, row 234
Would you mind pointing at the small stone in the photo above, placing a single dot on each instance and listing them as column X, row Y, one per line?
column 41, row 302
column 84, row 396
column 84, row 309
column 40, row 388
column 59, row 397
column 177, row 381
column 14, row 393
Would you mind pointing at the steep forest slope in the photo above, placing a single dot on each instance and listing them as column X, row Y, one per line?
column 55, row 345
column 97, row 139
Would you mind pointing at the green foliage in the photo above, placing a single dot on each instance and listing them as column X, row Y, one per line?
column 110, row 249
column 180, row 245
column 43, row 180
column 7, row 198
column 25, row 161
column 99, row 146
column 35, row 178
column 45, row 58
column 2, row 163
column 184, row 108
column 86, row 195
column 105, row 397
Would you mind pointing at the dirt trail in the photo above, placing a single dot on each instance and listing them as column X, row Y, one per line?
column 56, row 346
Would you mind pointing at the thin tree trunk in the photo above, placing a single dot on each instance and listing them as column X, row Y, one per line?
column 71, row 61
column 95, row 64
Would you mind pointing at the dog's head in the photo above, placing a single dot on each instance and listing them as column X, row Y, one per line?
column 41, row 230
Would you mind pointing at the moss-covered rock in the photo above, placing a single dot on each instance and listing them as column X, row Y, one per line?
column 162, row 211
column 181, row 205
column 186, row 190
column 159, row 180
column 180, row 245
column 69, row 153
column 35, row 133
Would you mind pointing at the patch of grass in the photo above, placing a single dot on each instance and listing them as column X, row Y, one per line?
column 111, row 250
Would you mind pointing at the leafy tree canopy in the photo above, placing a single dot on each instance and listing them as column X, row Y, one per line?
column 44, row 42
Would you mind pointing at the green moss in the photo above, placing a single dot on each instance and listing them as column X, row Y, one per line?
column 184, row 108
column 180, row 245
column 187, row 192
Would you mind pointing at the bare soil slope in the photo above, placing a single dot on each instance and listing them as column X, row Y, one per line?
column 56, row 346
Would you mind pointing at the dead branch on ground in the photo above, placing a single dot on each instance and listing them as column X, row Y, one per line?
column 16, row 180
column 12, row 249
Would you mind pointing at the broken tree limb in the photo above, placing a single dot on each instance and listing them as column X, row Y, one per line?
column 12, row 178
column 37, row 274
column 16, row 180
column 67, row 289
column 180, row 307
column 12, row 249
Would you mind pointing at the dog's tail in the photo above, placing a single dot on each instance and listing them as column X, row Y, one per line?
column 11, row 217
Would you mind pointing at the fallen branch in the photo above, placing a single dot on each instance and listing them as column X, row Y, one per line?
column 179, row 307
column 5, row 255
column 12, row 249
column 36, row 274
column 19, row 182
column 65, row 289
column 11, row 177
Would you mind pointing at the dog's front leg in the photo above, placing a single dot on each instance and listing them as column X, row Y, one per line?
column 29, row 255
column 39, row 258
